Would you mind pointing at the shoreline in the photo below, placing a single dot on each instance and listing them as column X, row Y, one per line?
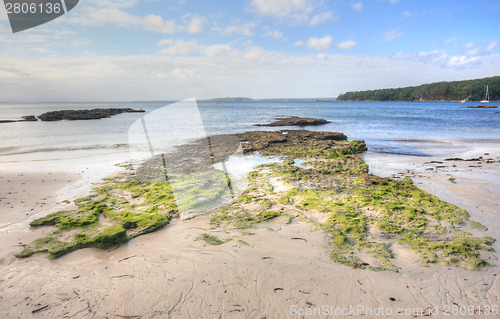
column 169, row 273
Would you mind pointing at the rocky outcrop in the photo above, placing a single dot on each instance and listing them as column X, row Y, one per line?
column 256, row 141
column 28, row 118
column 94, row 114
column 296, row 121
column 485, row 106
column 216, row 148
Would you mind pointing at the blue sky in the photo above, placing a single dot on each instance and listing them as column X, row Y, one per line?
column 153, row 49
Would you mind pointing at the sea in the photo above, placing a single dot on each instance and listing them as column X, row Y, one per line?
column 400, row 128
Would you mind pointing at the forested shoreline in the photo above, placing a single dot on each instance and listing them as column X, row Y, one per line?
column 471, row 90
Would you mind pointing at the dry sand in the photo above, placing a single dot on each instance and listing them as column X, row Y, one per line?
column 168, row 274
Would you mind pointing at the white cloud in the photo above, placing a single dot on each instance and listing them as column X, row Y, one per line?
column 461, row 60
column 471, row 56
column 253, row 72
column 407, row 14
column 298, row 43
column 113, row 15
column 180, row 47
column 319, row 44
column 216, row 50
column 293, row 11
column 450, row 40
column 275, row 34
column 195, row 23
column 243, row 29
column 114, row 3
column 491, row 46
column 320, row 18
column 391, row 35
column 40, row 50
column 165, row 42
column 358, row 6
column 282, row 8
column 346, row 45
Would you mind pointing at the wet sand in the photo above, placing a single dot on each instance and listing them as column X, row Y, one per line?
column 168, row 274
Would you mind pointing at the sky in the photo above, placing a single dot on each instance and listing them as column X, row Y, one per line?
column 129, row 50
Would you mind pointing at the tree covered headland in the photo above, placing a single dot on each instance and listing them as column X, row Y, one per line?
column 473, row 90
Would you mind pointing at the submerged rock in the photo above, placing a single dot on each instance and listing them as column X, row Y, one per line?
column 296, row 121
column 94, row 114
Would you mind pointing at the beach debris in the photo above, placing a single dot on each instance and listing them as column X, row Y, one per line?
column 127, row 258
column 40, row 309
column 121, row 276
column 278, row 289
column 392, row 299
column 299, row 238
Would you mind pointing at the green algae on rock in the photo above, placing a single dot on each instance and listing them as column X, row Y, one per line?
column 319, row 179
column 119, row 210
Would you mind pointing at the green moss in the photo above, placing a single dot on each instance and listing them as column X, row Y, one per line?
column 267, row 215
column 478, row 225
column 109, row 236
column 244, row 243
column 389, row 227
column 212, row 240
column 107, row 204
column 48, row 244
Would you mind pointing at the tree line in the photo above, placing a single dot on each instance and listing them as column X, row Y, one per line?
column 471, row 90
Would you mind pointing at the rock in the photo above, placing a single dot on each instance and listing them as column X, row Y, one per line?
column 482, row 107
column 29, row 118
column 264, row 142
column 296, row 121
column 94, row 114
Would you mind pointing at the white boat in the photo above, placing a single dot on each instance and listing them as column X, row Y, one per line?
column 464, row 101
column 487, row 99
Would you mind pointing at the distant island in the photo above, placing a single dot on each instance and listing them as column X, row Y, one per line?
column 94, row 114
column 470, row 90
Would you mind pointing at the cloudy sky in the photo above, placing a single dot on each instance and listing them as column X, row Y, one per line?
column 122, row 50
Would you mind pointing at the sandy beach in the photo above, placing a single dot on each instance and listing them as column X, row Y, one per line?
column 279, row 270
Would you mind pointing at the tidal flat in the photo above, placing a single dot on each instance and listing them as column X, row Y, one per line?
column 331, row 188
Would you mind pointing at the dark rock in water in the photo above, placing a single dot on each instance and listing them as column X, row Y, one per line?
column 482, row 107
column 29, row 118
column 94, row 114
column 296, row 121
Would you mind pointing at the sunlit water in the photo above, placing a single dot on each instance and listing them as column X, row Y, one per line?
column 393, row 127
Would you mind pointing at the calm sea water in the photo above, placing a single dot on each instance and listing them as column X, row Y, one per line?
column 392, row 127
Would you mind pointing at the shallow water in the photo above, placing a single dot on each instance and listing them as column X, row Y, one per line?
column 411, row 128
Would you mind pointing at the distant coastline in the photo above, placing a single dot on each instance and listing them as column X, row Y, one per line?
column 456, row 91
